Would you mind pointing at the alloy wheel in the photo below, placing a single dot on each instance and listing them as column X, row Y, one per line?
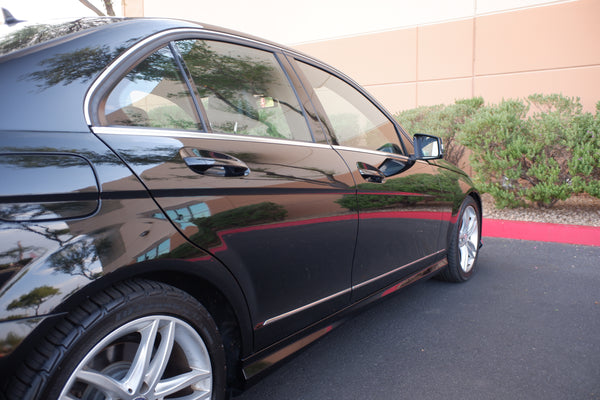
column 468, row 237
column 150, row 358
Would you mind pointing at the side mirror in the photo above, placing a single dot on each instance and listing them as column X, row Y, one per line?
column 428, row 147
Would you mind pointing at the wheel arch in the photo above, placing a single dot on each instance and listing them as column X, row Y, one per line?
column 224, row 305
column 477, row 197
column 207, row 281
column 472, row 192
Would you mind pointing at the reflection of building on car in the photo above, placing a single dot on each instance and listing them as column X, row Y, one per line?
column 200, row 205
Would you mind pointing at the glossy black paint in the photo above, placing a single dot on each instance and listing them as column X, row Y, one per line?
column 279, row 238
column 30, row 179
column 284, row 211
column 49, row 265
column 396, row 227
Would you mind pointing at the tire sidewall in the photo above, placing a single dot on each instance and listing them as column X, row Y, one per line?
column 454, row 257
column 122, row 311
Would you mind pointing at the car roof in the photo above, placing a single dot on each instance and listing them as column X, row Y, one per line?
column 25, row 35
column 48, row 67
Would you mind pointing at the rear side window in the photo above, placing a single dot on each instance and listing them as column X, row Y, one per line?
column 356, row 122
column 153, row 94
column 243, row 90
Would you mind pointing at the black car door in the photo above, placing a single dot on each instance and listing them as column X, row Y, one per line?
column 397, row 196
column 244, row 179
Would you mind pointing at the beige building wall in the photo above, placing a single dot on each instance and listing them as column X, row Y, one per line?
column 549, row 49
column 552, row 48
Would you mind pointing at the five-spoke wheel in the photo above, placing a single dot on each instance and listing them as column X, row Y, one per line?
column 148, row 358
column 136, row 340
column 464, row 243
column 468, row 238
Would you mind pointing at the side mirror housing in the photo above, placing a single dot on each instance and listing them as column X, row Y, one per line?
column 428, row 147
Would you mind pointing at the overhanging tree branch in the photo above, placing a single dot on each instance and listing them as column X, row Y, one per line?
column 92, row 7
column 107, row 4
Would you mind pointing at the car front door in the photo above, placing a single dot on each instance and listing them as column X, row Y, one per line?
column 397, row 196
column 244, row 178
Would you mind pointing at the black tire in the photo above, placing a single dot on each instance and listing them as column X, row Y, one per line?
column 106, row 333
column 464, row 244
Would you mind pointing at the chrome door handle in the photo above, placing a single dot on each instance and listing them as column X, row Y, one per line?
column 370, row 173
column 214, row 164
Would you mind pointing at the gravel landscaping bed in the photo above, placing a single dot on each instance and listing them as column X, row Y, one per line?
column 580, row 210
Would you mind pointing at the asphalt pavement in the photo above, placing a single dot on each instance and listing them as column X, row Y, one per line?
column 526, row 326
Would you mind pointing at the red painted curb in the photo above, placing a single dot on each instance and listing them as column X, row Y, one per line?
column 542, row 232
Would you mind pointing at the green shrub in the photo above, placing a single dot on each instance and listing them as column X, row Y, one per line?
column 539, row 151
column 585, row 161
column 534, row 151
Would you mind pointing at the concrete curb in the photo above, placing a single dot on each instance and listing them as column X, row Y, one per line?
column 542, row 232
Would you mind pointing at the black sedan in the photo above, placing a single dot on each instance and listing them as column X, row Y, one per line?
column 183, row 206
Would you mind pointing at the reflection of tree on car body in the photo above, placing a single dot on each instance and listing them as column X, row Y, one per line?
column 34, row 298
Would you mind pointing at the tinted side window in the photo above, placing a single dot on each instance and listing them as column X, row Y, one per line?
column 243, row 90
column 153, row 94
column 356, row 122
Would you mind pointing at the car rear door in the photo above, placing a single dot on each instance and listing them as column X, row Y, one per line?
column 397, row 196
column 248, row 178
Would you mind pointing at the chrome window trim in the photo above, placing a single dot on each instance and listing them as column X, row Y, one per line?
column 354, row 287
column 331, row 70
column 139, row 131
column 109, row 70
column 367, row 151
column 300, row 57
column 136, row 47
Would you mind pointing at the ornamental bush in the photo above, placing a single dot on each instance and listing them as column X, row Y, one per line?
column 537, row 151
column 584, row 164
column 534, row 151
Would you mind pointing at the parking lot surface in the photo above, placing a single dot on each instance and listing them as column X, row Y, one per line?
column 527, row 326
